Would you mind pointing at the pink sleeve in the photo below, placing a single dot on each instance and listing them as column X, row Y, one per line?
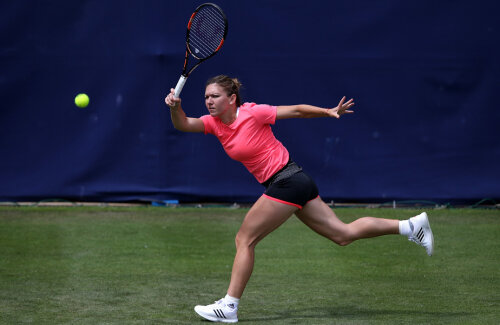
column 208, row 123
column 265, row 114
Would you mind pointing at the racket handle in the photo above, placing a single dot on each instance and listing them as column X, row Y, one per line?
column 180, row 85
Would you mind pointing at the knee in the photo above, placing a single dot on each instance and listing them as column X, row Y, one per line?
column 343, row 242
column 243, row 241
column 342, row 238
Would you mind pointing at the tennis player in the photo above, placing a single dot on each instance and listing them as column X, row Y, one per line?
column 244, row 130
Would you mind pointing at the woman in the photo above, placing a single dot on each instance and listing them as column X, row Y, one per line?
column 245, row 133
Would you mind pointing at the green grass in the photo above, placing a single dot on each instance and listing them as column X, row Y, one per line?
column 148, row 265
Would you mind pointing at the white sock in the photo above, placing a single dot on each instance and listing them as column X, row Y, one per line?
column 405, row 228
column 231, row 301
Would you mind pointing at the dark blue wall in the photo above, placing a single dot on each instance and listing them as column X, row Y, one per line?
column 424, row 74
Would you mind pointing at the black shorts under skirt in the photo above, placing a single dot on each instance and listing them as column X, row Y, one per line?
column 291, row 186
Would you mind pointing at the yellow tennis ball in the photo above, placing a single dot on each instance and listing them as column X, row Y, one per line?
column 82, row 100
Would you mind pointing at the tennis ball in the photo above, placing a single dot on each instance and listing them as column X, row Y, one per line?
column 82, row 100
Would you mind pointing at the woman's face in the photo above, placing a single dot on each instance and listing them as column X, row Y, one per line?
column 217, row 101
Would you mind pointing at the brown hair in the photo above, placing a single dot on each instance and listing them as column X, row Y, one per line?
column 230, row 86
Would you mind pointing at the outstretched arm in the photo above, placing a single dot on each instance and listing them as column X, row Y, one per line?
column 309, row 111
column 179, row 119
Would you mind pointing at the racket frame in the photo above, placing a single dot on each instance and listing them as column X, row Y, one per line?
column 185, row 73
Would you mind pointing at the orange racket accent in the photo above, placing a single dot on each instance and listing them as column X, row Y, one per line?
column 191, row 20
column 220, row 45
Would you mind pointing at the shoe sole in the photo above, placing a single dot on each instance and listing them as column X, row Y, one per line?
column 215, row 319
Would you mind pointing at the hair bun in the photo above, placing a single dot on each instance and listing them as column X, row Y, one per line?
column 237, row 83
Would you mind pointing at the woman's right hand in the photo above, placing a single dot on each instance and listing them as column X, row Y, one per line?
column 171, row 101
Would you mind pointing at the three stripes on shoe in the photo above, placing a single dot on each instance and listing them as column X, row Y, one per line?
column 420, row 234
column 219, row 313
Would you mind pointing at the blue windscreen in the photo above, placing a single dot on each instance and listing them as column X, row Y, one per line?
column 424, row 76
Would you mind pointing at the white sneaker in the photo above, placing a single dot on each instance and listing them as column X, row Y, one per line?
column 422, row 233
column 218, row 312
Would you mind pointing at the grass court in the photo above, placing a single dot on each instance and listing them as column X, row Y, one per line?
column 151, row 265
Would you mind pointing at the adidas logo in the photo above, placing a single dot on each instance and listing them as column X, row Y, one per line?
column 420, row 234
column 219, row 313
column 230, row 306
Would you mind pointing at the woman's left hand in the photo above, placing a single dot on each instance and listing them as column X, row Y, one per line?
column 342, row 108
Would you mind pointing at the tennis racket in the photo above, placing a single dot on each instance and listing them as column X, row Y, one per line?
column 206, row 32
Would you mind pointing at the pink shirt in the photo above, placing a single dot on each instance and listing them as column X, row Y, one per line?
column 250, row 140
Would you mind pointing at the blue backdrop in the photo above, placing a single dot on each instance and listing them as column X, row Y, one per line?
column 424, row 75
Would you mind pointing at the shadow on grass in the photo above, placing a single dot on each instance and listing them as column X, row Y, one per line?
column 356, row 313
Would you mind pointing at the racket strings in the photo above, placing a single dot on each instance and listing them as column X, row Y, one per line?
column 206, row 37
column 207, row 32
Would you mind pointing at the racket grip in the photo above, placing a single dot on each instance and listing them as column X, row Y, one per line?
column 180, row 85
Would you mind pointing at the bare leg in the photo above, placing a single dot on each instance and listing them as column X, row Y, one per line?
column 319, row 217
column 264, row 217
